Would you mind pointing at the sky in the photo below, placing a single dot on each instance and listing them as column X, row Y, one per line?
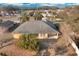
column 39, row 1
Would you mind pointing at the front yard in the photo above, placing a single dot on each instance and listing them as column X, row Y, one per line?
column 55, row 47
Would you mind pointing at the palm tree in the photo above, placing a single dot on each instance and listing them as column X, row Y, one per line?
column 24, row 17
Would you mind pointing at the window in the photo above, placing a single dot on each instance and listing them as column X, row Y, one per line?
column 43, row 35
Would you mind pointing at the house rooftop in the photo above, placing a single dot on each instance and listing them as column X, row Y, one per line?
column 6, row 24
column 34, row 27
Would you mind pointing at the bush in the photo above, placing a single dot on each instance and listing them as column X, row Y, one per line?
column 28, row 42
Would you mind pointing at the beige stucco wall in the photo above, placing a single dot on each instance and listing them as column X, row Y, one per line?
column 40, row 36
column 16, row 36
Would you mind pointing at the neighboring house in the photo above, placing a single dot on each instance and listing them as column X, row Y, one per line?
column 44, row 14
column 43, row 29
column 45, row 18
column 9, row 13
column 59, row 10
column 16, row 19
column 31, row 18
column 58, row 19
column 6, row 26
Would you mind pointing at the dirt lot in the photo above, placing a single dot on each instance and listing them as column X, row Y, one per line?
column 13, row 50
column 59, row 47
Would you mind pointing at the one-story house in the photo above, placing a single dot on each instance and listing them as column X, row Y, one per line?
column 44, row 29
column 6, row 26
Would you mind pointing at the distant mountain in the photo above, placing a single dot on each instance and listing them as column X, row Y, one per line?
column 37, row 4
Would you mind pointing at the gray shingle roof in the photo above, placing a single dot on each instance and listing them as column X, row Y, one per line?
column 7, row 24
column 34, row 27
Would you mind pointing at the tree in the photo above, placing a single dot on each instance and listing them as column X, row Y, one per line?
column 29, row 42
column 24, row 17
column 38, row 16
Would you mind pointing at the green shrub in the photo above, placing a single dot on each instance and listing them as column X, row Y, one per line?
column 29, row 42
